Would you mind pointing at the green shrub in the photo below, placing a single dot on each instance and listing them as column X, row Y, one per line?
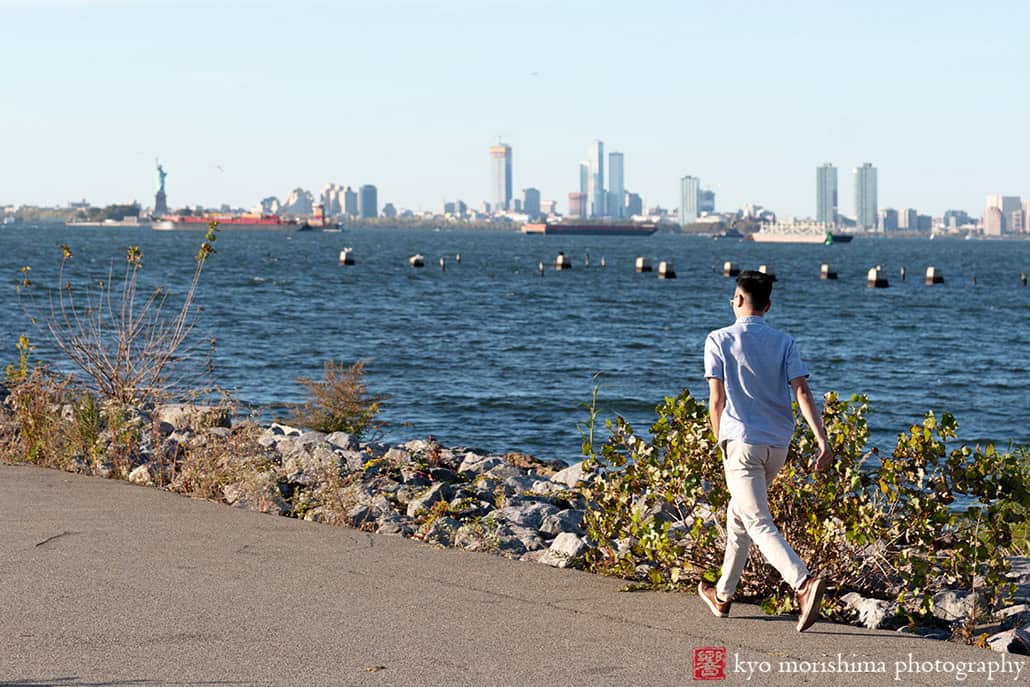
column 340, row 401
column 657, row 506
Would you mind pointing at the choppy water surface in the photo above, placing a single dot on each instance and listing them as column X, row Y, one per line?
column 489, row 354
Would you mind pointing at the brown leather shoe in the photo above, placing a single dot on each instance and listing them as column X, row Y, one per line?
column 707, row 593
column 810, row 596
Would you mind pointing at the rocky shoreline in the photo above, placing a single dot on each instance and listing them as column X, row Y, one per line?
column 513, row 504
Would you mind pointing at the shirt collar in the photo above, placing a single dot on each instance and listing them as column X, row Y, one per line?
column 750, row 319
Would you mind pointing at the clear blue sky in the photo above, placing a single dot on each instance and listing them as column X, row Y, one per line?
column 409, row 94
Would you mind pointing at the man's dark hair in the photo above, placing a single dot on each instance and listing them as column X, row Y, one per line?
column 758, row 287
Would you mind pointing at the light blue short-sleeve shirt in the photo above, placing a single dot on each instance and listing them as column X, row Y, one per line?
column 755, row 363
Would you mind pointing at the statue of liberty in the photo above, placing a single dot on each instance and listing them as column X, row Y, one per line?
column 161, row 174
column 160, row 200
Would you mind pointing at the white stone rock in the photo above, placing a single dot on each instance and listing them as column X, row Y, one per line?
column 871, row 612
column 565, row 547
column 478, row 464
column 285, row 430
column 952, row 605
column 1013, row 641
column 573, row 475
column 144, row 475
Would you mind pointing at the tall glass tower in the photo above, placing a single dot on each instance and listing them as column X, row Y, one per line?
column 596, row 197
column 865, row 197
column 616, row 186
column 500, row 164
column 690, row 199
column 826, row 194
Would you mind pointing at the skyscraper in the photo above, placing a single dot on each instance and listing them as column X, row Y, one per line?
column 584, row 176
column 1008, row 205
column 578, row 205
column 707, row 201
column 596, row 198
column 531, row 202
column 616, row 186
column 634, row 204
column 690, row 199
column 368, row 201
column 865, row 197
column 826, row 194
column 350, row 202
column 500, row 163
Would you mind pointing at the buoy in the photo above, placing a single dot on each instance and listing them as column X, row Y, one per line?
column 643, row 264
column 665, row 270
column 876, row 279
column 417, row 260
column 902, row 273
column 347, row 256
column 603, row 265
column 768, row 269
column 586, row 261
column 457, row 258
column 730, row 269
column 540, row 267
column 934, row 276
column 562, row 262
column 443, row 263
column 826, row 271
column 1022, row 278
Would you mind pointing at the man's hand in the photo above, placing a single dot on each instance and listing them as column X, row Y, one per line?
column 807, row 405
column 824, row 457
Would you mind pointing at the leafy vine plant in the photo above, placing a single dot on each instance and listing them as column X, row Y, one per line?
column 891, row 527
column 123, row 342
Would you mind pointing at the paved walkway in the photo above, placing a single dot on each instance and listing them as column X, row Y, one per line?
column 105, row 583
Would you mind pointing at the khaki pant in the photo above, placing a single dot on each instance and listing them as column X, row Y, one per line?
column 750, row 470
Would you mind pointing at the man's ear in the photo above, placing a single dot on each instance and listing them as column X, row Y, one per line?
column 767, row 306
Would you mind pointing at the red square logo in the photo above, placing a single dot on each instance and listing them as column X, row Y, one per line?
column 710, row 663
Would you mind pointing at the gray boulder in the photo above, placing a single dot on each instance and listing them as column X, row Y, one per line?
column 425, row 500
column 396, row 525
column 1015, row 616
column 442, row 531
column 568, row 520
column 477, row 464
column 188, row 415
column 342, row 441
column 528, row 537
column 524, row 513
column 952, row 605
column 503, row 471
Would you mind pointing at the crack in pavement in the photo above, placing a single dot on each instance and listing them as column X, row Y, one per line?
column 53, row 538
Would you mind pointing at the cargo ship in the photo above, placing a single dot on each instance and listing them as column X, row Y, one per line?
column 567, row 228
column 229, row 222
column 799, row 232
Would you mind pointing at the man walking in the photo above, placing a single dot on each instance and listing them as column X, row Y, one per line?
column 751, row 370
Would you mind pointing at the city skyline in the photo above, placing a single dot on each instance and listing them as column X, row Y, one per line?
column 236, row 122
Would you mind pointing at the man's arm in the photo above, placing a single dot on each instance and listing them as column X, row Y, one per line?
column 814, row 420
column 716, row 403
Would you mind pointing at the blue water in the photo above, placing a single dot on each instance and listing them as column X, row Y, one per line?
column 489, row 354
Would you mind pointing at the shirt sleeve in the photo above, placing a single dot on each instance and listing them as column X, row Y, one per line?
column 713, row 360
column 795, row 366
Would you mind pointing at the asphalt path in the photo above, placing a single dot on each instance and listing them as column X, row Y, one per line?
column 106, row 583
